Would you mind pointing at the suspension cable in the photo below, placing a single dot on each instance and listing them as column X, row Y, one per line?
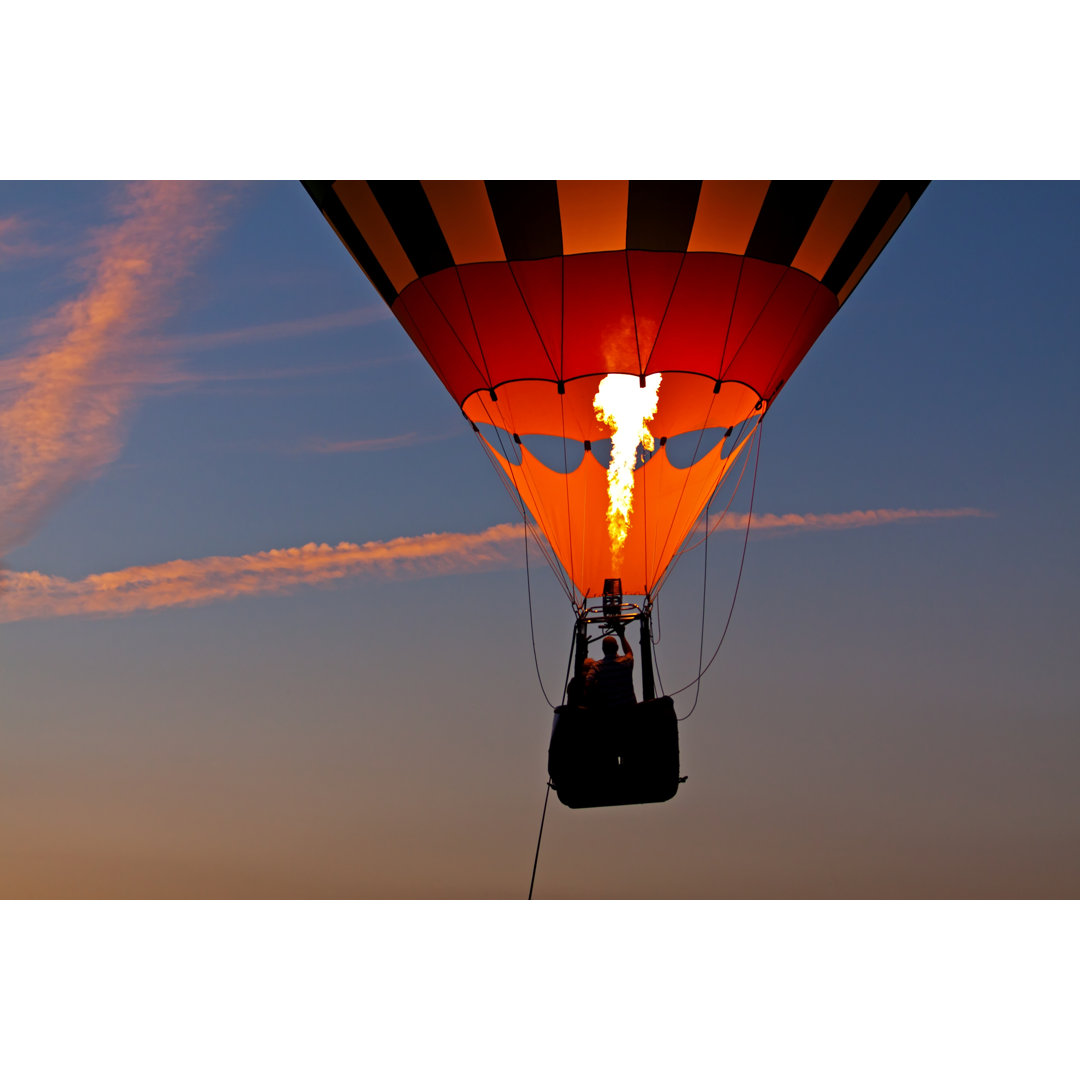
column 532, row 636
column 696, row 682
column 684, row 548
column 656, row 671
column 704, row 598
column 532, row 631
column 519, row 504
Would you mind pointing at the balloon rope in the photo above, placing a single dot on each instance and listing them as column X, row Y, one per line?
column 704, row 598
column 686, row 547
column 507, row 456
column 536, row 857
column 532, row 631
column 683, row 549
column 656, row 664
column 731, row 611
column 519, row 505
column 532, row 635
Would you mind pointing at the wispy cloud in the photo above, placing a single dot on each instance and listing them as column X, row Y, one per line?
column 67, row 396
column 367, row 446
column 161, row 364
column 275, row 331
column 16, row 241
column 191, row 582
column 851, row 519
column 164, row 375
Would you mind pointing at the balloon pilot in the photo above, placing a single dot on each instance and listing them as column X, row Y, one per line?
column 609, row 682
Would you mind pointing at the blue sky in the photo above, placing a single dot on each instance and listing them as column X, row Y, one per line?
column 893, row 709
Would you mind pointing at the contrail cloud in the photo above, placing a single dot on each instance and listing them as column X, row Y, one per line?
column 850, row 519
column 193, row 582
column 190, row 582
column 69, row 393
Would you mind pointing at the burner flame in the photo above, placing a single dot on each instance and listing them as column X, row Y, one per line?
column 626, row 407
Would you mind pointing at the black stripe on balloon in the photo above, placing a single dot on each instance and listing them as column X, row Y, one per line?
column 867, row 229
column 660, row 214
column 785, row 217
column 916, row 188
column 527, row 217
column 406, row 207
column 323, row 195
column 317, row 189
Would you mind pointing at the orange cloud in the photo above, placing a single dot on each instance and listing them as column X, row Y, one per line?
column 68, row 395
column 851, row 519
column 189, row 582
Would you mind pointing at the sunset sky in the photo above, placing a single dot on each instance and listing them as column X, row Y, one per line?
column 265, row 619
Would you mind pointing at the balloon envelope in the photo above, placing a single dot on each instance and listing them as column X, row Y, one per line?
column 524, row 295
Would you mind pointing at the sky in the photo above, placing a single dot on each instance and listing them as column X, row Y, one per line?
column 265, row 621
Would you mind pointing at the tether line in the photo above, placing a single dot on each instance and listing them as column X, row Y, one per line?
column 536, row 858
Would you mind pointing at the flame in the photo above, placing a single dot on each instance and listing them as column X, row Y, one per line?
column 626, row 407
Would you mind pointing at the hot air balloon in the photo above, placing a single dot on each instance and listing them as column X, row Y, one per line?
column 614, row 344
